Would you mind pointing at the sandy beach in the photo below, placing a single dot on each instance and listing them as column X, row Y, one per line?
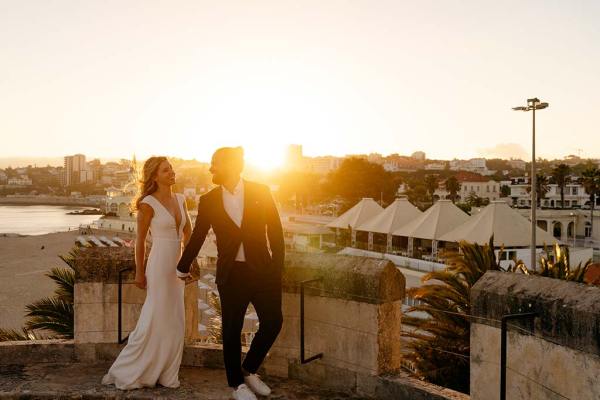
column 23, row 264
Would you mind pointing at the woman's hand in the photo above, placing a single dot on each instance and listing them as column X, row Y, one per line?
column 140, row 281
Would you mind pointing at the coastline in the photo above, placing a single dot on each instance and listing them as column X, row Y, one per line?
column 46, row 202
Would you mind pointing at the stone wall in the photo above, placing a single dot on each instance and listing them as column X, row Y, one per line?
column 559, row 359
column 96, row 296
column 352, row 316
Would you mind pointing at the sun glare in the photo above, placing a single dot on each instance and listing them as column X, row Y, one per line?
column 264, row 158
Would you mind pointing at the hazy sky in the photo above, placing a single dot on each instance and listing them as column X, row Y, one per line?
column 110, row 78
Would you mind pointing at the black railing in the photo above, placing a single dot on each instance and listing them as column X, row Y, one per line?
column 303, row 359
column 120, row 305
column 503, row 338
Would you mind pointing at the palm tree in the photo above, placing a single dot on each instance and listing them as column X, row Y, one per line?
column 591, row 184
column 431, row 184
column 438, row 345
column 50, row 314
column 453, row 187
column 473, row 200
column 561, row 177
column 542, row 188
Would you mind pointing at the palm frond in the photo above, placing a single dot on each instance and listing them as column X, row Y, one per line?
column 15, row 335
column 51, row 314
column 65, row 281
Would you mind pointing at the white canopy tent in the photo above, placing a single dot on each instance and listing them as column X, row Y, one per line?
column 510, row 229
column 381, row 226
column 437, row 220
column 363, row 211
column 397, row 214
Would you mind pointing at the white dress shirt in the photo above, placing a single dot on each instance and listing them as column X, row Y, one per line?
column 234, row 206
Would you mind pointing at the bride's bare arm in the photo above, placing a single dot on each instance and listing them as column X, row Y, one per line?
column 144, row 216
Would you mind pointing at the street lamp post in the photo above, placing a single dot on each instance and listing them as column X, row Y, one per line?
column 532, row 105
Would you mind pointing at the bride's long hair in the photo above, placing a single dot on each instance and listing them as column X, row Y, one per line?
column 147, row 185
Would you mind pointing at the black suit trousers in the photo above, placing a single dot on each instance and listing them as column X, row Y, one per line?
column 243, row 287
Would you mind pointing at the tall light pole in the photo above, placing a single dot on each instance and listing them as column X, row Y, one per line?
column 532, row 105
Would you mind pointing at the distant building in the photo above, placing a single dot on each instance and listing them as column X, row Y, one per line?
column 76, row 170
column 418, row 155
column 477, row 165
column 472, row 185
column 3, row 177
column 376, row 158
column 574, row 193
column 517, row 164
column 435, row 166
column 487, row 189
column 323, row 165
column 294, row 159
column 21, row 180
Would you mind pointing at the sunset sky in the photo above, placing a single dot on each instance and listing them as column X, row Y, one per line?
column 112, row 78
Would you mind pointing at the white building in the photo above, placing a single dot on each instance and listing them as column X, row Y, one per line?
column 76, row 170
column 575, row 195
column 323, row 165
column 435, row 167
column 477, row 165
column 489, row 190
column 21, row 180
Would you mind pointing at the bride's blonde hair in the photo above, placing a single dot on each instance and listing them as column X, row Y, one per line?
column 147, row 185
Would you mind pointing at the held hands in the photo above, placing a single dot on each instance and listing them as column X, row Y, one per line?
column 140, row 280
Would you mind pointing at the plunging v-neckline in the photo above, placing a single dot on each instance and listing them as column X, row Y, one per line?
column 177, row 226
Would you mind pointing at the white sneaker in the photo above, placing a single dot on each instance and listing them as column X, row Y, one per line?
column 257, row 385
column 242, row 392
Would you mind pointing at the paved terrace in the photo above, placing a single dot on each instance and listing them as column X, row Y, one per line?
column 82, row 381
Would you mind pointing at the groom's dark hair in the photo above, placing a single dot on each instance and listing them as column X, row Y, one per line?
column 233, row 156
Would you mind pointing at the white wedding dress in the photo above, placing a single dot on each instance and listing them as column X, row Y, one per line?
column 155, row 346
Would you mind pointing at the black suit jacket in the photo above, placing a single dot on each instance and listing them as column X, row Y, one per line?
column 260, row 221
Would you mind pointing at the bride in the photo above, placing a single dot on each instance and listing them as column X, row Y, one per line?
column 155, row 346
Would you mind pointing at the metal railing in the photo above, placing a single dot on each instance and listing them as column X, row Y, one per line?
column 303, row 358
column 120, row 339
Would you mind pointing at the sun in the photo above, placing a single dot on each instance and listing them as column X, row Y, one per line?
column 264, row 158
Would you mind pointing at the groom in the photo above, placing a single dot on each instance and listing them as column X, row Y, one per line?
column 240, row 212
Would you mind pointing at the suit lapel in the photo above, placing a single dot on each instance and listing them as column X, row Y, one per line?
column 247, row 202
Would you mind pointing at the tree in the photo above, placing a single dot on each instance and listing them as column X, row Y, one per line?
column 417, row 192
column 302, row 188
column 542, row 187
column 473, row 200
column 453, row 187
column 431, row 184
column 591, row 184
column 561, row 178
column 357, row 178
column 439, row 345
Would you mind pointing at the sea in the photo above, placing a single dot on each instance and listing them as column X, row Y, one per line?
column 41, row 219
